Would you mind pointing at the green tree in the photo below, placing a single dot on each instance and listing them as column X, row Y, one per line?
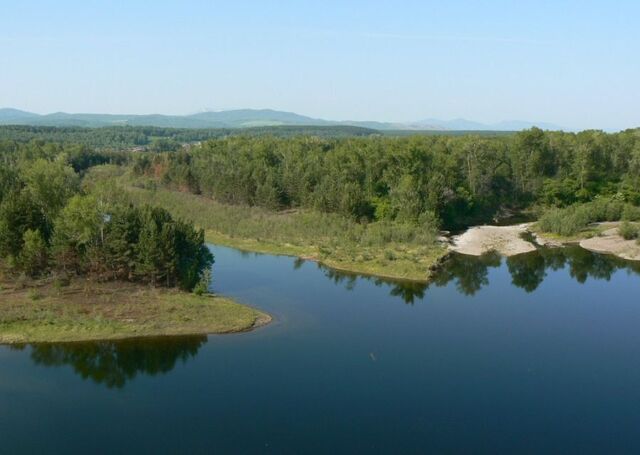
column 51, row 184
column 34, row 256
column 77, row 234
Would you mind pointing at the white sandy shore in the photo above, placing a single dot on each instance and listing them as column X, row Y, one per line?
column 506, row 240
column 611, row 243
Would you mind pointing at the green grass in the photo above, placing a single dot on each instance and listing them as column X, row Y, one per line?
column 592, row 230
column 576, row 221
column 380, row 249
column 104, row 311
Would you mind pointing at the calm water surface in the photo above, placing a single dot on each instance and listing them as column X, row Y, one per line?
column 536, row 354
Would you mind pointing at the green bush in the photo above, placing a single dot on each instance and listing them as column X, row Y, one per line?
column 202, row 287
column 565, row 222
column 631, row 213
column 34, row 295
column 571, row 220
column 629, row 231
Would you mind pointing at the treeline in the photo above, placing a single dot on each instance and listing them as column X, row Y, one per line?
column 120, row 138
column 50, row 222
column 14, row 154
column 454, row 181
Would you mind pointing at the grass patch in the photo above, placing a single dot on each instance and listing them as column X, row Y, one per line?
column 86, row 310
column 592, row 230
column 333, row 240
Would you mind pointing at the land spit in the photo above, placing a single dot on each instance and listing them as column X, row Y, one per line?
column 506, row 240
column 511, row 240
column 610, row 242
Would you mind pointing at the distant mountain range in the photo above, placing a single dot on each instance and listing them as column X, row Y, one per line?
column 246, row 118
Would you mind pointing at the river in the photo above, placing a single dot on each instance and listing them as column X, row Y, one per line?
column 535, row 354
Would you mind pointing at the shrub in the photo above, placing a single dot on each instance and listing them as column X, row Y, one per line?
column 631, row 213
column 389, row 255
column 629, row 231
column 565, row 222
column 34, row 295
column 571, row 220
column 60, row 281
column 202, row 287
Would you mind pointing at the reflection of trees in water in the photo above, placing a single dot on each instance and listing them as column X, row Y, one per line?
column 585, row 264
column 528, row 271
column 113, row 363
column 470, row 273
column 338, row 277
column 409, row 291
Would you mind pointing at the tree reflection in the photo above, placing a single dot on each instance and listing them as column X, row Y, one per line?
column 348, row 279
column 409, row 291
column 113, row 363
column 584, row 264
column 470, row 274
column 527, row 271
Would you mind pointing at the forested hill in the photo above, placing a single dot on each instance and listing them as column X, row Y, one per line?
column 239, row 118
column 250, row 118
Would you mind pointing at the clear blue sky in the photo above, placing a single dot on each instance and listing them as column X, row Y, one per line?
column 574, row 63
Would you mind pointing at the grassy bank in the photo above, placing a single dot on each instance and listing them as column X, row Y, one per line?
column 42, row 311
column 380, row 249
column 579, row 220
column 587, row 232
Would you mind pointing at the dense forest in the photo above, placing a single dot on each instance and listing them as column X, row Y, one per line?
column 446, row 181
column 160, row 139
column 398, row 189
column 52, row 222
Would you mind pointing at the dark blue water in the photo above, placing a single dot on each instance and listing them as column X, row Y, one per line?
column 537, row 354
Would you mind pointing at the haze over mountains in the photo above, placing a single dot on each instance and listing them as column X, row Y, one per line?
column 245, row 118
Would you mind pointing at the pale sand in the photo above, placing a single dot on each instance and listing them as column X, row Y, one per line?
column 611, row 243
column 506, row 240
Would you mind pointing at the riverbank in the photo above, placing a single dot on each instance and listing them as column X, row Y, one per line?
column 611, row 242
column 513, row 240
column 328, row 239
column 325, row 239
column 505, row 240
column 85, row 310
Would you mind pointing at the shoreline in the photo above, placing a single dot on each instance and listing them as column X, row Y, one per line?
column 601, row 238
column 505, row 240
column 43, row 312
column 394, row 261
column 92, row 311
column 610, row 242
column 259, row 323
column 364, row 269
